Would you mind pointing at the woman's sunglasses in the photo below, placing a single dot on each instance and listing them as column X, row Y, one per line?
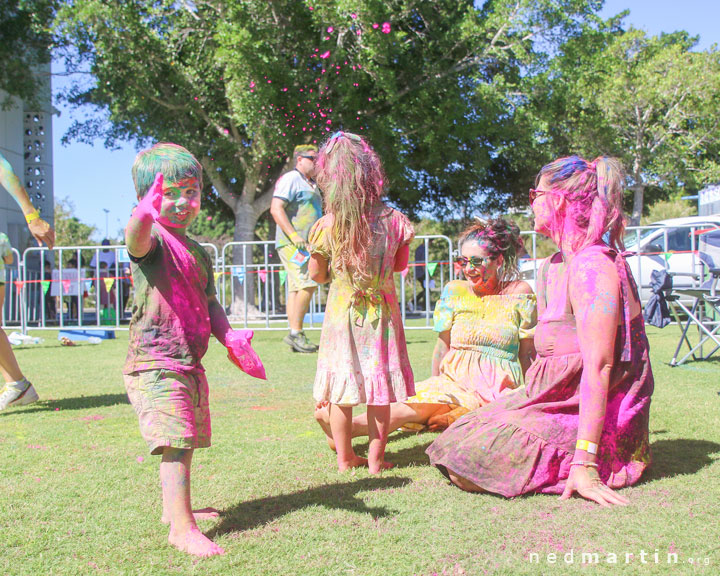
column 536, row 194
column 474, row 261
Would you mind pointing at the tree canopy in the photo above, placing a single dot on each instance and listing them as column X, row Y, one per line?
column 242, row 82
column 25, row 41
column 649, row 100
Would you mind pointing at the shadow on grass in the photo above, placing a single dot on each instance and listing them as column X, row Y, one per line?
column 410, row 456
column 680, row 456
column 255, row 513
column 75, row 403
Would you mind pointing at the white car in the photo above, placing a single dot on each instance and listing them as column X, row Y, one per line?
column 674, row 245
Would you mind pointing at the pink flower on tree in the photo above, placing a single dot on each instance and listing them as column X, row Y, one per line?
column 386, row 28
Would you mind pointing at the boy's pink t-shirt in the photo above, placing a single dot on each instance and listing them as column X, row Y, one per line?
column 170, row 325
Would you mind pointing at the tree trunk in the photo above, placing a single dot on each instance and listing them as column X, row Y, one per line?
column 245, row 221
column 638, row 189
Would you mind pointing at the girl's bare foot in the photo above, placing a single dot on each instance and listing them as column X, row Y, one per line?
column 374, row 469
column 201, row 514
column 354, row 462
column 194, row 542
column 322, row 415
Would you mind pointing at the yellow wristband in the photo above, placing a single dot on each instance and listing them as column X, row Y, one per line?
column 589, row 447
column 32, row 216
column 295, row 235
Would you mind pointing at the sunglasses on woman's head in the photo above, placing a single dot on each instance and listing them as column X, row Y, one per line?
column 474, row 261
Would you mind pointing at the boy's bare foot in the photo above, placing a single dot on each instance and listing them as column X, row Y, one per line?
column 322, row 415
column 201, row 514
column 355, row 462
column 194, row 542
column 383, row 466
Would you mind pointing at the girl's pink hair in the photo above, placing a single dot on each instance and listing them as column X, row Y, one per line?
column 594, row 195
column 351, row 176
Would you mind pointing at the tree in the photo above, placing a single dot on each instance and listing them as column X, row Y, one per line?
column 651, row 101
column 69, row 230
column 241, row 82
column 25, row 41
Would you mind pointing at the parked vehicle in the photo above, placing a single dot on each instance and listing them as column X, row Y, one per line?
column 672, row 244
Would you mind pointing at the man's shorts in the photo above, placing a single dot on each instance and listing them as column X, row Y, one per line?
column 173, row 408
column 298, row 276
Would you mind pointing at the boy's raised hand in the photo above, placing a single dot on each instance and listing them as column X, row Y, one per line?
column 150, row 204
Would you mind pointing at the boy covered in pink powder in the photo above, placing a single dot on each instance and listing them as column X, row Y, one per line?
column 174, row 313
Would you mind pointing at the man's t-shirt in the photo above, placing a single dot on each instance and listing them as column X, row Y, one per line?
column 170, row 325
column 303, row 208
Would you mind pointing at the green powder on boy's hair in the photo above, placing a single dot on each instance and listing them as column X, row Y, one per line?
column 174, row 161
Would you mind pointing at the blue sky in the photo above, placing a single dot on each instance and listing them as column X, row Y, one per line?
column 95, row 179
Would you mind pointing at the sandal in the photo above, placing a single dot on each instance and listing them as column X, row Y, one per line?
column 65, row 341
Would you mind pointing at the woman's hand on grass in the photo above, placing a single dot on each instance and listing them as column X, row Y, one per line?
column 586, row 482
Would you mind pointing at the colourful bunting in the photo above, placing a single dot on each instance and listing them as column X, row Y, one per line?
column 19, row 284
column 239, row 273
column 431, row 267
column 66, row 286
column 109, row 283
column 283, row 276
column 263, row 275
column 45, row 286
column 404, row 273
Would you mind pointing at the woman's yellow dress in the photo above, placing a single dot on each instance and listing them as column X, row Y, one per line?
column 485, row 334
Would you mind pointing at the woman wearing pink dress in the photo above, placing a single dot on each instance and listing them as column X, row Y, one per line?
column 581, row 423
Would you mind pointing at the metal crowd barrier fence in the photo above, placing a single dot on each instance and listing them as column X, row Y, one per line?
column 75, row 287
column 251, row 284
column 430, row 268
column 12, row 305
column 47, row 289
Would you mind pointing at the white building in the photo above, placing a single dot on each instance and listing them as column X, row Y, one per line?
column 26, row 142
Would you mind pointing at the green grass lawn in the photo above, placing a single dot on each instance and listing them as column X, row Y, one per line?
column 79, row 493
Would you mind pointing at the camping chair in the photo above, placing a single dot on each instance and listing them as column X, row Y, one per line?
column 705, row 309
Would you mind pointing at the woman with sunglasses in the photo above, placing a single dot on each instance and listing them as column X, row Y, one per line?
column 485, row 328
column 581, row 423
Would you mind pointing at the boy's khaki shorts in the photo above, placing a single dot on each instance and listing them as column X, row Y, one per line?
column 173, row 408
column 298, row 277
